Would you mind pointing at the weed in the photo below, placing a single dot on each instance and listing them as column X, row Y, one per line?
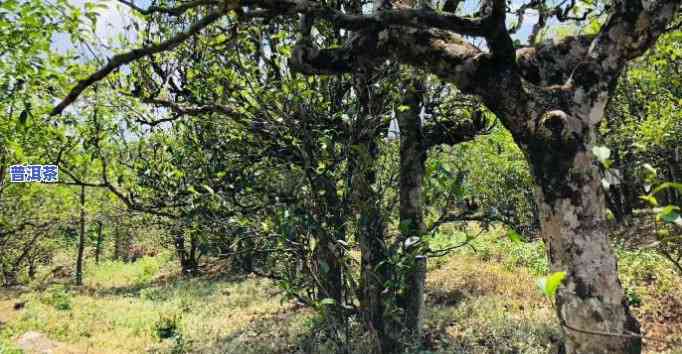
column 118, row 273
column 6, row 348
column 166, row 326
column 524, row 255
column 59, row 297
column 151, row 294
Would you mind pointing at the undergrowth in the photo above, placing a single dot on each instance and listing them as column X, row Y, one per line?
column 481, row 298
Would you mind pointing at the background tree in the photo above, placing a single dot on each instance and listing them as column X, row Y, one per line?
column 549, row 100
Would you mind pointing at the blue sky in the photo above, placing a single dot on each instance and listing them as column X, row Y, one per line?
column 113, row 20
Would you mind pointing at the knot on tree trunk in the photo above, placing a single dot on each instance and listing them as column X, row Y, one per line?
column 560, row 129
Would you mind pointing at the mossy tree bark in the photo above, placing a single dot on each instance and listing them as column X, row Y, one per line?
column 412, row 158
column 572, row 209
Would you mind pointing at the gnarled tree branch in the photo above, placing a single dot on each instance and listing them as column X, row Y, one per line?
column 125, row 58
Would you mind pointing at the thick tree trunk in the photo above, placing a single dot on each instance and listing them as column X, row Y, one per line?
column 375, row 270
column 188, row 263
column 81, row 239
column 629, row 186
column 98, row 246
column 328, row 250
column 673, row 169
column 412, row 158
column 591, row 305
column 31, row 268
column 373, row 249
column 117, row 243
column 10, row 277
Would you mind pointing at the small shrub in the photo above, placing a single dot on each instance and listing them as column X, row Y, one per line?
column 633, row 298
column 59, row 297
column 149, row 268
column 8, row 348
column 167, row 326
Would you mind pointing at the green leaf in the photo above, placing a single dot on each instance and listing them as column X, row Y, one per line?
column 208, row 189
column 669, row 214
column 609, row 215
column 514, row 236
column 650, row 169
column 649, row 199
column 328, row 301
column 668, row 185
column 602, row 153
column 671, row 218
column 550, row 284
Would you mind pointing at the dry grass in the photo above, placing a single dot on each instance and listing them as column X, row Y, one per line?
column 481, row 307
column 244, row 315
column 483, row 302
